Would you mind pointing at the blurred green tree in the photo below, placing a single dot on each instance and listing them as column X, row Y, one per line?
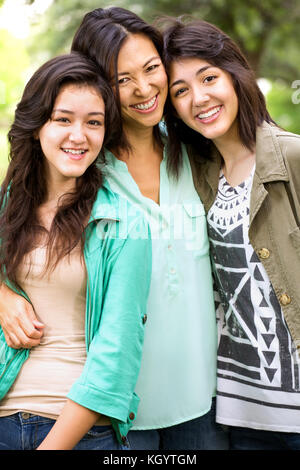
column 267, row 31
column 14, row 62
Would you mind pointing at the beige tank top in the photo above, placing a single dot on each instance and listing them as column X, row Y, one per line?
column 58, row 299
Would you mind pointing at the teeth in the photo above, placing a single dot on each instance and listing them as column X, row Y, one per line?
column 209, row 113
column 74, row 152
column 146, row 105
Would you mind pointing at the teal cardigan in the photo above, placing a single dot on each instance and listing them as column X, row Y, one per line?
column 117, row 253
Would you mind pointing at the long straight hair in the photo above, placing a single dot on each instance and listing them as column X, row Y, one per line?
column 25, row 186
column 192, row 38
column 101, row 35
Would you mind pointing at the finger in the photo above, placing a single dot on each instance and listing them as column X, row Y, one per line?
column 27, row 325
column 37, row 324
column 30, row 313
column 11, row 340
column 20, row 340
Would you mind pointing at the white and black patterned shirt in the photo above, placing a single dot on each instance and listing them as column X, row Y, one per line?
column 258, row 367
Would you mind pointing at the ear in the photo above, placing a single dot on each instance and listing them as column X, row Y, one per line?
column 36, row 135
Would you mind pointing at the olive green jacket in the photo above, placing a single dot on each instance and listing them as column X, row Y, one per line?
column 274, row 224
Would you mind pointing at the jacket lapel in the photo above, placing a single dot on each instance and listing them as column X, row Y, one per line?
column 269, row 166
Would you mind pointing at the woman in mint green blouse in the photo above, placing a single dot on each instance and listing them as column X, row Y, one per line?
column 177, row 380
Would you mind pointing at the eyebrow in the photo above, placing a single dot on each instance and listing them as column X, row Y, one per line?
column 67, row 111
column 197, row 73
column 145, row 64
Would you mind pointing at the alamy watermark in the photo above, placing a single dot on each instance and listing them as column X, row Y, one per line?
column 296, row 94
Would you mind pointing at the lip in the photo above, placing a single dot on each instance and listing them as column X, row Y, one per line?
column 146, row 111
column 212, row 118
column 74, row 156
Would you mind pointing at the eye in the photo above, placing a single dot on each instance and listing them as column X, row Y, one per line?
column 179, row 91
column 152, row 67
column 210, row 78
column 95, row 123
column 64, row 120
column 123, row 80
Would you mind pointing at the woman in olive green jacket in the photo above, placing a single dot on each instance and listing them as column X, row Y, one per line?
column 248, row 177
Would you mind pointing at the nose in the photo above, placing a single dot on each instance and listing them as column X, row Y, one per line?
column 199, row 96
column 77, row 134
column 143, row 87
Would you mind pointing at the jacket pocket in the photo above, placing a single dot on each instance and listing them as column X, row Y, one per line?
column 295, row 238
column 195, row 229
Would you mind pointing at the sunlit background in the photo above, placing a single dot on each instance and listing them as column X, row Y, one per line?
column 32, row 31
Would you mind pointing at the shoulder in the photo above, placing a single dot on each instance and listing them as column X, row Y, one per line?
column 287, row 142
column 290, row 147
column 114, row 209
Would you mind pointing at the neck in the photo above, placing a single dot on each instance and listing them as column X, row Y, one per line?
column 142, row 143
column 238, row 160
column 57, row 188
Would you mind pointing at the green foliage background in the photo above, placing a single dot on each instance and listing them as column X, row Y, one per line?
column 267, row 31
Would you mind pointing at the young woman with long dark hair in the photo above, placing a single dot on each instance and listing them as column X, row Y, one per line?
column 69, row 246
column 176, row 383
column 246, row 171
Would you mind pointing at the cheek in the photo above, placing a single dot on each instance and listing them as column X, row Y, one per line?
column 98, row 140
column 180, row 108
column 164, row 82
column 124, row 96
column 51, row 136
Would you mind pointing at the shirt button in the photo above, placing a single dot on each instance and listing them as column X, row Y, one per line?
column 285, row 299
column 131, row 416
column 144, row 319
column 25, row 415
column 264, row 253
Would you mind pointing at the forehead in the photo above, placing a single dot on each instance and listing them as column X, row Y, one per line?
column 136, row 49
column 72, row 92
column 187, row 66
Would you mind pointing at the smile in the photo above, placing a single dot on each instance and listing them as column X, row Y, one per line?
column 211, row 113
column 146, row 106
column 74, row 152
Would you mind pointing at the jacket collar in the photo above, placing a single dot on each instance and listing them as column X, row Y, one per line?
column 269, row 159
column 107, row 205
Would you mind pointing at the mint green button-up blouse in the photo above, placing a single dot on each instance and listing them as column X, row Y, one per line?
column 177, row 379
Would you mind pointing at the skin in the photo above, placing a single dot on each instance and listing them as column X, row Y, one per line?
column 142, row 80
column 71, row 141
column 204, row 98
column 76, row 125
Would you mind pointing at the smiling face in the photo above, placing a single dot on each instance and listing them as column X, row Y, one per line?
column 72, row 138
column 142, row 83
column 204, row 98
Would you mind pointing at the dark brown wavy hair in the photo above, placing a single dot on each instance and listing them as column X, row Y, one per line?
column 101, row 36
column 189, row 38
column 25, row 186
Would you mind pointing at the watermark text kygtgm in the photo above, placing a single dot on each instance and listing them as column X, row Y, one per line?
column 151, row 459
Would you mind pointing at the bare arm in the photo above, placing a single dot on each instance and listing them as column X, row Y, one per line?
column 65, row 435
column 18, row 320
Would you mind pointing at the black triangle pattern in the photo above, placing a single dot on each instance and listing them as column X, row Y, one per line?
column 244, row 340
